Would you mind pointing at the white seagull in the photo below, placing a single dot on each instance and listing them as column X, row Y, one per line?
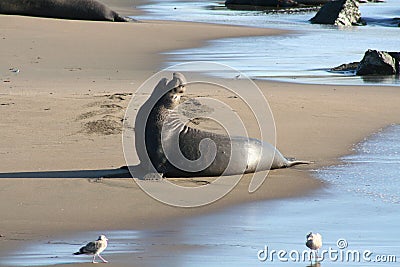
column 94, row 248
column 314, row 242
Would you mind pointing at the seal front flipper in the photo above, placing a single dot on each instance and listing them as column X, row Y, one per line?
column 292, row 162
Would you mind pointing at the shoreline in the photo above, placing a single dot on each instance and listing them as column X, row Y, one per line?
column 286, row 99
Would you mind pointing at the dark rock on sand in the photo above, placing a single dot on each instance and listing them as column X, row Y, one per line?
column 374, row 62
column 396, row 20
column 385, row 22
column 273, row 3
column 346, row 67
column 379, row 63
column 339, row 13
column 61, row 9
column 312, row 2
column 263, row 3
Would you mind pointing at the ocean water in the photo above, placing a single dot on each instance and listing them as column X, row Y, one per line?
column 375, row 168
column 304, row 56
column 359, row 211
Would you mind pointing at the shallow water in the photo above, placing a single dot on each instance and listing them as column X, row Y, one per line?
column 361, row 206
column 375, row 168
column 304, row 56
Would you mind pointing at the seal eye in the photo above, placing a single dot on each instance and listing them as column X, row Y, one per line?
column 178, row 90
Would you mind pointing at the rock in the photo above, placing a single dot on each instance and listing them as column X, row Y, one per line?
column 379, row 63
column 263, row 3
column 385, row 22
column 346, row 67
column 291, row 10
column 339, row 13
column 374, row 62
column 242, row 4
column 395, row 55
column 312, row 2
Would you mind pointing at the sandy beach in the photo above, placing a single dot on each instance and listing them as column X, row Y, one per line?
column 63, row 111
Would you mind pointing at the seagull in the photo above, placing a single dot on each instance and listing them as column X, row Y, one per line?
column 94, row 248
column 314, row 242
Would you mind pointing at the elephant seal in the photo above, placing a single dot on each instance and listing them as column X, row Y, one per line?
column 62, row 9
column 232, row 155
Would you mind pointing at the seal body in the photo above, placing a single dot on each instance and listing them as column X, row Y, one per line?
column 62, row 9
column 221, row 154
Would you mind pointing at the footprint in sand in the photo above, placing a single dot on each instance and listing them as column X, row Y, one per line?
column 105, row 117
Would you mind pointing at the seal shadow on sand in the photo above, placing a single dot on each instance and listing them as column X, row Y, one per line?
column 122, row 172
column 136, row 171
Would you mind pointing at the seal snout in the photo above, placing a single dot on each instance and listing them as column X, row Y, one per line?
column 177, row 85
column 180, row 89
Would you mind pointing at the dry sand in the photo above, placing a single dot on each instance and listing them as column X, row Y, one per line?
column 63, row 112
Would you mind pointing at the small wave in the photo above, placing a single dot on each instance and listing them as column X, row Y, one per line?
column 373, row 170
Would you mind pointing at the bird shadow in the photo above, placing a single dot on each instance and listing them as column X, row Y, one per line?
column 124, row 172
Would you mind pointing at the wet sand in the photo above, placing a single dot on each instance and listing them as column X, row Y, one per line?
column 74, row 74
